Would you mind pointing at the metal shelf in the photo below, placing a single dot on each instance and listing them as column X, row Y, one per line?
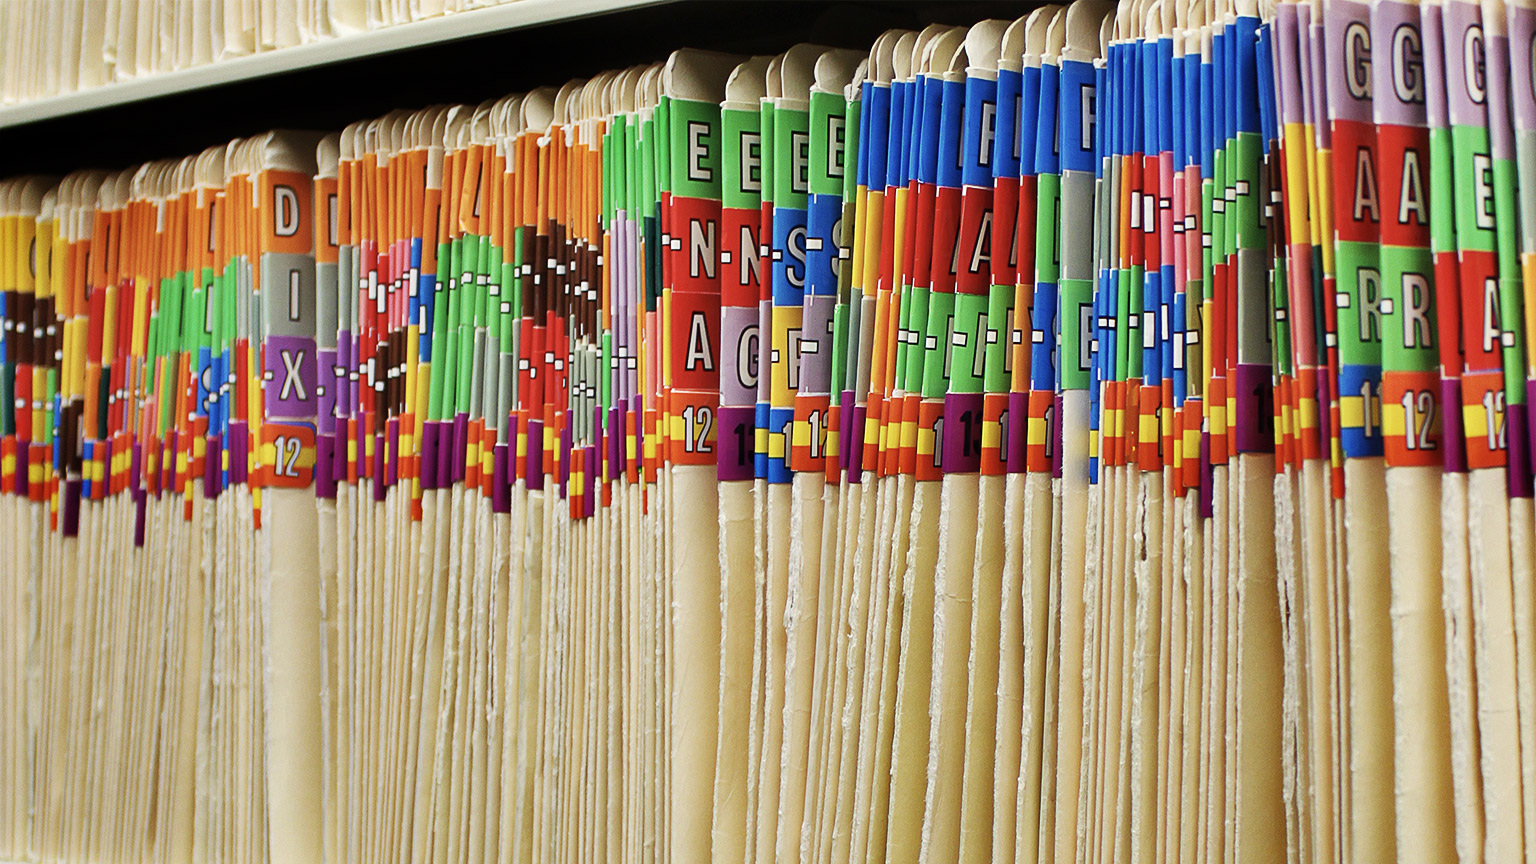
column 448, row 28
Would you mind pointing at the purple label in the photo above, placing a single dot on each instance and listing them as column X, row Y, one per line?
column 1254, row 424
column 734, row 447
column 290, row 377
column 1501, row 135
column 380, row 472
column 1018, row 433
column 1289, row 83
column 533, row 461
column 589, row 484
column 637, row 403
column 615, row 441
column 429, row 446
column 1519, row 471
column 239, row 450
column 565, row 461
column 1522, row 47
column 343, row 398
column 501, row 481
column 1434, row 66
column 325, row 458
column 71, row 520
column 139, row 500
column 211, row 467
column 852, row 455
column 1348, row 52
column 603, row 434
column 962, row 433
column 326, row 391
column 460, row 446
column 844, row 433
column 135, row 466
column 1316, row 46
column 1061, row 438
column 1466, row 94
column 1207, row 478
column 816, row 344
column 739, row 354
column 444, row 455
column 392, row 460
column 1400, row 85
column 1453, row 443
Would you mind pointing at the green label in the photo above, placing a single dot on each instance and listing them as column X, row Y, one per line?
column 967, row 353
column 936, row 344
column 1358, row 298
column 1408, row 310
column 829, row 156
column 1047, row 217
column 1075, row 324
column 694, row 154
column 742, row 183
column 792, row 157
column 998, row 338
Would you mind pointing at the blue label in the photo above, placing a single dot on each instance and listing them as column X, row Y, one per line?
column 779, row 421
column 981, row 131
column 950, row 113
column 900, row 103
column 788, row 253
column 878, row 119
column 205, row 383
column 1362, row 382
column 1047, row 154
column 1029, row 121
column 1246, row 37
column 861, row 163
column 760, row 443
column 1007, row 143
column 823, row 216
column 1043, row 325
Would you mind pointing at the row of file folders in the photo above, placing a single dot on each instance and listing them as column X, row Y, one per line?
column 1100, row 436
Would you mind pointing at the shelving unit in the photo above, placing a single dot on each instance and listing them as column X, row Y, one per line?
column 353, row 46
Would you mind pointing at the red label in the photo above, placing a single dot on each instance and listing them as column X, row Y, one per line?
column 973, row 264
column 808, row 436
column 696, row 244
column 694, row 427
column 1149, row 449
column 1040, row 451
column 872, row 423
column 1356, row 187
column 995, row 429
column 1483, row 418
column 930, row 438
column 833, row 450
column 741, row 264
column 1403, row 154
column 1005, row 245
column 946, row 239
column 1482, row 320
column 1411, row 416
column 902, row 433
column 287, row 455
column 695, row 340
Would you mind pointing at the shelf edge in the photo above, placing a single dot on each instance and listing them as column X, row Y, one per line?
column 516, row 15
